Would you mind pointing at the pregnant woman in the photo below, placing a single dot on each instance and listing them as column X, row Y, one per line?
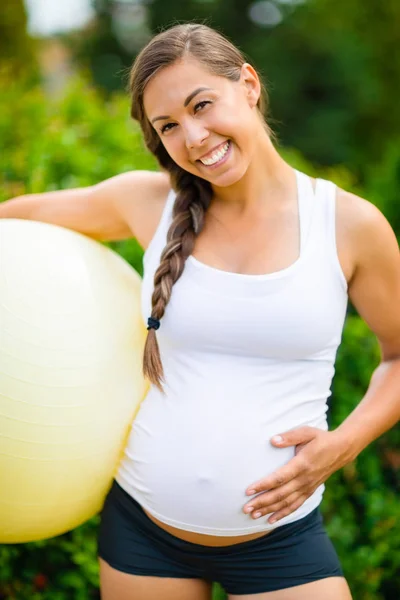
column 248, row 268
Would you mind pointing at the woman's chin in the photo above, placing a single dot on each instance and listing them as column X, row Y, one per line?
column 218, row 178
column 229, row 178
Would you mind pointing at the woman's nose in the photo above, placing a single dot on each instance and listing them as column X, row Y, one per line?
column 195, row 135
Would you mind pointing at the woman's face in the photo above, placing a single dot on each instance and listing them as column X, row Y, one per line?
column 208, row 124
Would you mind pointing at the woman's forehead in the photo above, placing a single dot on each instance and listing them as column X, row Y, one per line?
column 172, row 85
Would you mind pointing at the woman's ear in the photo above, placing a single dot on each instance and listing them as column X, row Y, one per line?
column 251, row 83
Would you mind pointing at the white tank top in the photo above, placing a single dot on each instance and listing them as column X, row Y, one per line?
column 245, row 357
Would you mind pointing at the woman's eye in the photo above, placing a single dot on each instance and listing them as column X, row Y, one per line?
column 201, row 105
column 167, row 127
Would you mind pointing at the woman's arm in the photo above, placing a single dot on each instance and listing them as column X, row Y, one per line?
column 370, row 254
column 124, row 206
column 374, row 291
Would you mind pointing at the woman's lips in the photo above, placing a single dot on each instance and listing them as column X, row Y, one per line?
column 222, row 160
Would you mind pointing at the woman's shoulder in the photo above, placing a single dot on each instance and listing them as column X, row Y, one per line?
column 358, row 217
column 374, row 287
column 141, row 197
column 362, row 230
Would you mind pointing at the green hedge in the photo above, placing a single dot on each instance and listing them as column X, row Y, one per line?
column 82, row 139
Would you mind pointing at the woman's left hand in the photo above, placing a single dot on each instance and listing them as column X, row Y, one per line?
column 318, row 454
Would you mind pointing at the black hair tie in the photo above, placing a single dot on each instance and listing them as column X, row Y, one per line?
column 153, row 323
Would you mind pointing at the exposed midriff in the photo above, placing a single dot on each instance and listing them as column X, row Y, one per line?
column 206, row 540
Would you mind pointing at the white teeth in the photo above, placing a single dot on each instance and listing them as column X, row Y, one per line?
column 216, row 156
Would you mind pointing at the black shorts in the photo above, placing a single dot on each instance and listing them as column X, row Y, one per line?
column 290, row 555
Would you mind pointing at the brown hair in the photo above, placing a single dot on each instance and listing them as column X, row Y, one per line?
column 194, row 194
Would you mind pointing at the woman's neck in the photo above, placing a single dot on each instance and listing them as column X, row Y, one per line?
column 267, row 180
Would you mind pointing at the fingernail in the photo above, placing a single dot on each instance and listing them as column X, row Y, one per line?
column 278, row 439
column 248, row 509
column 257, row 515
column 250, row 492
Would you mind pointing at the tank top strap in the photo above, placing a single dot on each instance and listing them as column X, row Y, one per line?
column 324, row 226
column 323, row 229
column 329, row 210
column 159, row 238
column 306, row 203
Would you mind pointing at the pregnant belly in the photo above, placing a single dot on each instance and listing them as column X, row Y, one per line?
column 193, row 478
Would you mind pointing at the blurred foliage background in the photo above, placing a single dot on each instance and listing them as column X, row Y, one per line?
column 333, row 75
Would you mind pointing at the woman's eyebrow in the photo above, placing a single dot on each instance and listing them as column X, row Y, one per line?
column 188, row 99
column 193, row 94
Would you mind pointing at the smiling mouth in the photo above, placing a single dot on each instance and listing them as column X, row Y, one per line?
column 216, row 156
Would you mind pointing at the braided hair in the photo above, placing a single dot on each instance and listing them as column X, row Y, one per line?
column 193, row 194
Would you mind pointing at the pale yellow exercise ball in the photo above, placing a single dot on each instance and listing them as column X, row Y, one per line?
column 71, row 347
